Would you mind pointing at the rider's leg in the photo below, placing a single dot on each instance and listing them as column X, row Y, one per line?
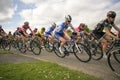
column 63, row 41
column 104, row 47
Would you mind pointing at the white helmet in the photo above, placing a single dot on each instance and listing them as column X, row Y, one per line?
column 68, row 18
column 54, row 24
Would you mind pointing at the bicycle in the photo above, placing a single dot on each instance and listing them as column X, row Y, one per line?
column 48, row 45
column 80, row 51
column 94, row 46
column 5, row 43
column 113, row 58
column 32, row 45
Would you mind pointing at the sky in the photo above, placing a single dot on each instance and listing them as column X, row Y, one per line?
column 42, row 13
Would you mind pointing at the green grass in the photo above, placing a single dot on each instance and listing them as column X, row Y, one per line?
column 40, row 71
column 5, row 52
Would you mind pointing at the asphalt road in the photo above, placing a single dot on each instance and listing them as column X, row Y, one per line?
column 98, row 69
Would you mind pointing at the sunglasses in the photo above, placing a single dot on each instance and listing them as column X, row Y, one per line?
column 112, row 16
column 69, row 21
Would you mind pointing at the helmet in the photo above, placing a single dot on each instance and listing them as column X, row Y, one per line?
column 54, row 24
column 18, row 28
column 82, row 25
column 35, row 29
column 26, row 23
column 111, row 14
column 68, row 18
column 43, row 28
column 9, row 32
column 0, row 26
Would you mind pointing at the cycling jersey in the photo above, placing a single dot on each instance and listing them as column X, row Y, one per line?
column 78, row 29
column 59, row 31
column 18, row 32
column 62, row 27
column 99, row 31
column 49, row 31
column 40, row 32
column 25, row 27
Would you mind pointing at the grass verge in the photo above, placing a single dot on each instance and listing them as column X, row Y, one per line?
column 5, row 52
column 40, row 71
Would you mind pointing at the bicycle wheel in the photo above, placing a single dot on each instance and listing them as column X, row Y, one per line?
column 81, row 52
column 35, row 47
column 6, row 45
column 48, row 46
column 96, row 52
column 117, row 55
column 21, row 46
column 113, row 60
column 56, row 46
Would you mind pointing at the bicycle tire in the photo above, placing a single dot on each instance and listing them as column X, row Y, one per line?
column 21, row 46
column 97, row 53
column 116, row 57
column 82, row 55
column 6, row 45
column 56, row 46
column 48, row 46
column 113, row 52
column 35, row 47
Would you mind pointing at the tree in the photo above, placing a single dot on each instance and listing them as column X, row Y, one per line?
column 69, row 31
column 87, row 29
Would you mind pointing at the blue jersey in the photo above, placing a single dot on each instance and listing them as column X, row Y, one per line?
column 62, row 27
column 49, row 30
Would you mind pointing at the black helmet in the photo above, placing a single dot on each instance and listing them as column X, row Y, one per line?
column 111, row 14
column 36, row 29
column 18, row 28
column 68, row 18
column 9, row 32
column 43, row 28
column 26, row 23
column 0, row 26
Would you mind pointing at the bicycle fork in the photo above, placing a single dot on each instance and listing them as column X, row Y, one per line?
column 79, row 49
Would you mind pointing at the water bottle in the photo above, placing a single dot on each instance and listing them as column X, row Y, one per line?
column 28, row 43
column 20, row 45
column 72, row 44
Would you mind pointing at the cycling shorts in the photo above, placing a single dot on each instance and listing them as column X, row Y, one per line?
column 58, row 35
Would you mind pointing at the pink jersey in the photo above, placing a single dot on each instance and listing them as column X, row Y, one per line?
column 78, row 29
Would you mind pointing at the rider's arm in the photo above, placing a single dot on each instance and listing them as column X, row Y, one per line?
column 107, row 31
column 72, row 27
column 116, row 28
column 4, row 32
column 31, row 30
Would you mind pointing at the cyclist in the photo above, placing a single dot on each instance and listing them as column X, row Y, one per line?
column 9, row 35
column 17, row 32
column 104, row 28
column 25, row 27
column 81, row 31
column 2, row 32
column 24, row 35
column 34, row 32
column 61, row 33
column 41, row 34
column 49, row 32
